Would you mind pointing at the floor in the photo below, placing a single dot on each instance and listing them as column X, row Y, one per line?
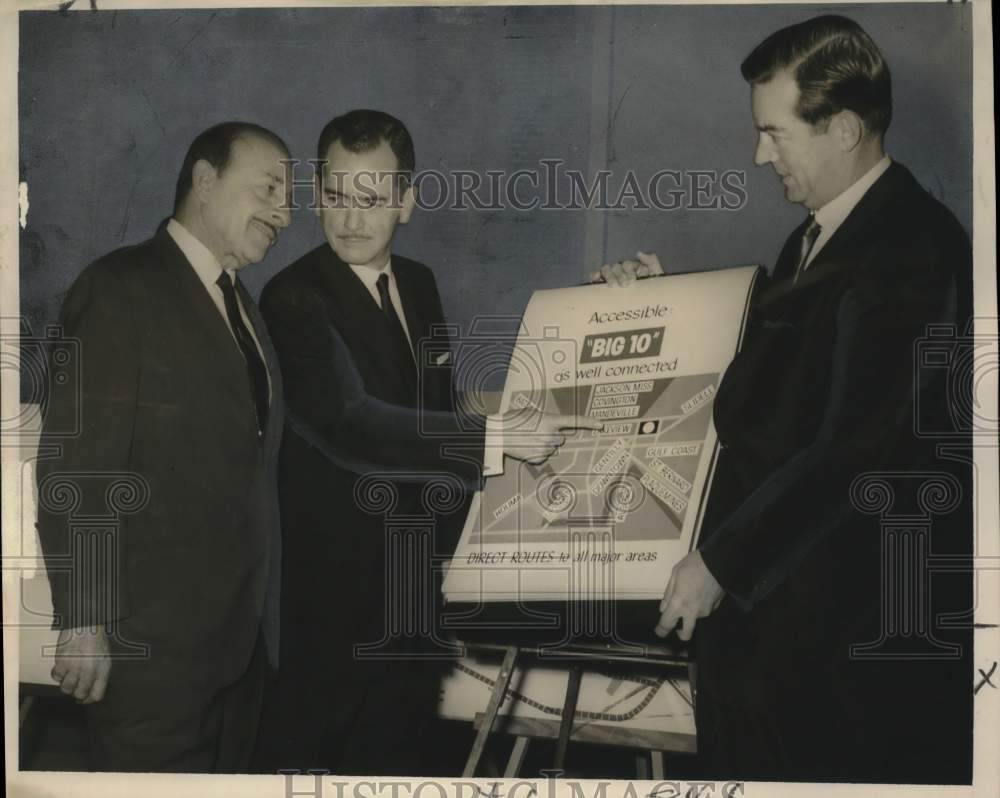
column 53, row 738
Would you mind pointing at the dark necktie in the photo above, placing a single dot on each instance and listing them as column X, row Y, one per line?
column 256, row 371
column 809, row 236
column 382, row 283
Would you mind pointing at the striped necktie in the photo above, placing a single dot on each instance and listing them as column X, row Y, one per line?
column 809, row 236
column 256, row 370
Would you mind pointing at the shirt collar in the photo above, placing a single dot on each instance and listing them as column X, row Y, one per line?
column 204, row 263
column 833, row 214
column 369, row 276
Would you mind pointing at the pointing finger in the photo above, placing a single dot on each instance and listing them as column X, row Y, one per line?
column 578, row 422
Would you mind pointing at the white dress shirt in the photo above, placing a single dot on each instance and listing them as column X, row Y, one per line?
column 208, row 269
column 493, row 443
column 832, row 215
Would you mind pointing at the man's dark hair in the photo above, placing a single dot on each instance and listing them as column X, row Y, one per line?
column 215, row 145
column 364, row 130
column 836, row 66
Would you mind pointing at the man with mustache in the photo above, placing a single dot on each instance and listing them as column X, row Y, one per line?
column 813, row 666
column 352, row 322
column 167, row 618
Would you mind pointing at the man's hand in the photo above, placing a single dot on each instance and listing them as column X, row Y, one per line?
column 691, row 593
column 626, row 272
column 534, row 437
column 83, row 663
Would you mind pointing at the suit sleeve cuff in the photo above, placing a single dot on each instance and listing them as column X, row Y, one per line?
column 493, row 446
column 729, row 578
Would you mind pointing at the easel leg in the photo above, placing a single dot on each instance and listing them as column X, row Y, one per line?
column 516, row 757
column 569, row 710
column 496, row 699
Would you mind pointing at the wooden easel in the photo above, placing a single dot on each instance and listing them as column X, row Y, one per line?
column 526, row 729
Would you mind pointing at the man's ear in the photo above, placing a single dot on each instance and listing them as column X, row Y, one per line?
column 203, row 178
column 848, row 129
column 318, row 194
column 409, row 203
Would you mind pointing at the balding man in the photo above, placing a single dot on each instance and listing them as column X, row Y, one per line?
column 165, row 618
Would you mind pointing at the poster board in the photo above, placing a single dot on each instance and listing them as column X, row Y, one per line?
column 609, row 514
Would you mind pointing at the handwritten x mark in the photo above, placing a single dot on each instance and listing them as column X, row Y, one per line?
column 986, row 679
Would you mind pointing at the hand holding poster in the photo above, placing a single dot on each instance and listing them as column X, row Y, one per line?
column 614, row 509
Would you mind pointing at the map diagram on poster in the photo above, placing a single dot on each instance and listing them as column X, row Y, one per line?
column 655, row 432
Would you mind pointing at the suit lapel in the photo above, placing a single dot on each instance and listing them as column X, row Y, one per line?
column 853, row 235
column 219, row 347
column 413, row 309
column 788, row 259
column 360, row 320
column 858, row 229
column 422, row 315
column 348, row 297
column 276, row 410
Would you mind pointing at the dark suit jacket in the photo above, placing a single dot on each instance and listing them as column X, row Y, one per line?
column 346, row 385
column 822, row 392
column 164, row 396
column 352, row 412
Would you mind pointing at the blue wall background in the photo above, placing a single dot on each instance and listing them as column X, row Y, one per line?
column 109, row 102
